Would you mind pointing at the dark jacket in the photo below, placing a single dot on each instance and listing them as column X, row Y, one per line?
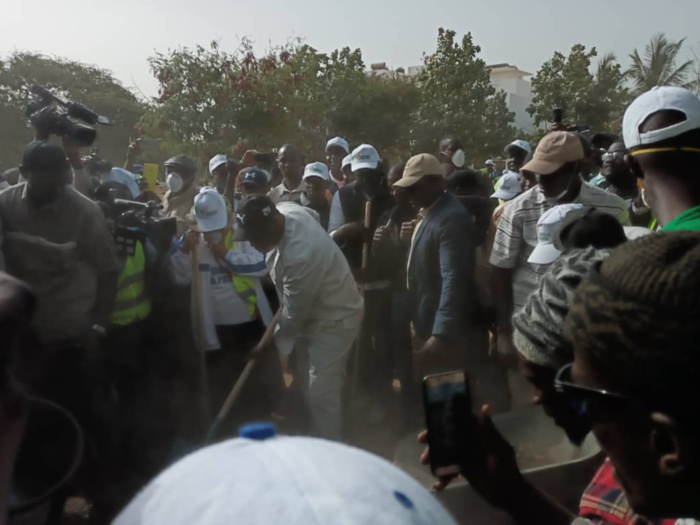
column 441, row 271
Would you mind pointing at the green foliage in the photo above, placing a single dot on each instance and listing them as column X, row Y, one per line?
column 457, row 98
column 87, row 84
column 658, row 66
column 213, row 101
column 597, row 99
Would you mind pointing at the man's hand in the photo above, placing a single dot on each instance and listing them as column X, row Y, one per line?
column 486, row 459
column 190, row 242
column 407, row 230
column 73, row 153
column 248, row 159
column 381, row 235
column 351, row 231
column 444, row 481
column 133, row 151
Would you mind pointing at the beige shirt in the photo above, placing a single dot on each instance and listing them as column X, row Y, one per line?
column 282, row 194
column 180, row 206
column 313, row 279
column 60, row 250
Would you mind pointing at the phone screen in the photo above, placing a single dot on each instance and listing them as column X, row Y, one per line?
column 439, row 393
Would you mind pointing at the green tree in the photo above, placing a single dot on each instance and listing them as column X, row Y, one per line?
column 214, row 101
column 659, row 65
column 596, row 99
column 457, row 98
column 90, row 85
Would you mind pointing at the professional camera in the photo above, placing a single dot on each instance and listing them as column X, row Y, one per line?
column 51, row 114
column 132, row 220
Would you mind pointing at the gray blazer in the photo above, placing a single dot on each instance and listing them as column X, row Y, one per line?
column 441, row 271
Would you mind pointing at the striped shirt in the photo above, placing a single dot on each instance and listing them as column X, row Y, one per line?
column 516, row 236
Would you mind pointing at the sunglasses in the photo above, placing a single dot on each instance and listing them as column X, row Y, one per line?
column 579, row 397
column 614, row 155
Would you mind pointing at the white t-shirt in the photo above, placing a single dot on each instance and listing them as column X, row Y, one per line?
column 228, row 307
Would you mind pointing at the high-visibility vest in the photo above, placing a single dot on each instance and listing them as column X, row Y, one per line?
column 132, row 302
column 244, row 286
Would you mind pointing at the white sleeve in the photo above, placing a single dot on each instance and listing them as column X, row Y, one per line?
column 182, row 268
column 337, row 218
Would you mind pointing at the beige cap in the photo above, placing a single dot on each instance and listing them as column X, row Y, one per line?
column 417, row 167
column 553, row 151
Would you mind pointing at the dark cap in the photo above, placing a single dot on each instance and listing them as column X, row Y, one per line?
column 254, row 176
column 253, row 216
column 45, row 158
column 588, row 227
column 182, row 161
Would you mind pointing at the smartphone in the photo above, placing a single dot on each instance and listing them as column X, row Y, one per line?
column 439, row 394
column 557, row 115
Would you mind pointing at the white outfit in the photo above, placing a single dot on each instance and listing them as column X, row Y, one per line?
column 221, row 305
column 321, row 310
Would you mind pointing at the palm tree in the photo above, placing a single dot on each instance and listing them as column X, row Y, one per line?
column 658, row 65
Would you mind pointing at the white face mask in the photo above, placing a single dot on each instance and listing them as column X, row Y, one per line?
column 174, row 182
column 213, row 238
column 459, row 158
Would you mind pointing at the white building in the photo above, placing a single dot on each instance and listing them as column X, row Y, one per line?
column 506, row 77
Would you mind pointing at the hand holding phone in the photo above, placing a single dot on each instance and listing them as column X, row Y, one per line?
column 440, row 394
column 461, row 442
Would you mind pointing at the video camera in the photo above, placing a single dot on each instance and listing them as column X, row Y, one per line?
column 57, row 120
column 134, row 219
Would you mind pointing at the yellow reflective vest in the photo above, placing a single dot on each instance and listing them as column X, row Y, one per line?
column 244, row 286
column 132, row 302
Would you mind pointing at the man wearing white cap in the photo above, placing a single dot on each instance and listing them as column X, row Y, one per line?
column 222, row 170
column 662, row 131
column 336, row 150
column 555, row 166
column 317, row 180
column 347, row 169
column 490, row 169
column 234, row 308
column 507, row 187
column 347, row 227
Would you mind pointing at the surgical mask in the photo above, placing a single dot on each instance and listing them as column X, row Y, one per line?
column 174, row 182
column 213, row 238
column 459, row 158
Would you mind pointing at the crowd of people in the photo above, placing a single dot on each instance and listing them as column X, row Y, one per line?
column 331, row 287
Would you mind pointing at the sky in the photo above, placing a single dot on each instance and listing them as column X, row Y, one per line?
column 120, row 35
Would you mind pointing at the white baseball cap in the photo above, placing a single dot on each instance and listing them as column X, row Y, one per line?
column 490, row 163
column 365, row 157
column 545, row 252
column 660, row 98
column 216, row 161
column 522, row 144
column 507, row 187
column 347, row 161
column 262, row 479
column 316, row 169
column 210, row 210
column 125, row 177
column 340, row 142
